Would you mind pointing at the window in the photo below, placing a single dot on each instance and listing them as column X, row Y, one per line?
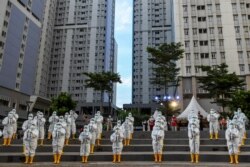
column 195, row 43
column 248, row 67
column 203, row 43
column 248, row 55
column 247, row 42
column 185, row 19
column 242, row 67
column 237, row 29
column 204, row 55
column 245, row 28
column 196, row 56
column 194, row 31
column 187, row 56
column 238, row 41
column 211, row 30
column 210, row 19
column 217, row 6
column 234, row 6
column 209, row 6
column 220, row 30
column 186, row 31
column 197, row 69
column 187, row 44
column 202, row 30
column 222, row 55
column 219, row 19
column 201, row 19
column 193, row 19
column 212, row 42
column 221, row 42
column 188, row 69
column 201, row 7
column 240, row 54
column 213, row 55
column 248, row 5
column 193, row 7
column 235, row 17
column 185, row 8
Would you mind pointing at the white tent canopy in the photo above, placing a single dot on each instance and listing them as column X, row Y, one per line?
column 193, row 105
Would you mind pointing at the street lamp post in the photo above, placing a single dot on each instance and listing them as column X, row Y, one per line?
column 28, row 103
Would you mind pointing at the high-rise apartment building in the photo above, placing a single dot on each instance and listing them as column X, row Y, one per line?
column 213, row 32
column 82, row 41
column 152, row 26
column 20, row 30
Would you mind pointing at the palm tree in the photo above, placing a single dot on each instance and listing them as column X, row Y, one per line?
column 102, row 82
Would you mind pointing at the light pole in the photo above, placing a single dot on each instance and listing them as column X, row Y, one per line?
column 28, row 103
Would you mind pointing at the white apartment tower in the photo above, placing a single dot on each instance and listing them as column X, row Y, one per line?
column 213, row 32
column 152, row 26
column 78, row 37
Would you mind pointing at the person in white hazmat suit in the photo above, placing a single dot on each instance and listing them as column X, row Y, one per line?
column 242, row 117
column 194, row 141
column 30, row 142
column 213, row 119
column 93, row 130
column 157, row 136
column 131, row 124
column 53, row 119
column 109, row 123
column 85, row 138
column 232, row 137
column 26, row 125
column 40, row 122
column 58, row 136
column 8, row 130
column 73, row 116
column 99, row 120
column 68, row 127
column 15, row 124
column 117, row 146
column 126, row 131
column 238, row 123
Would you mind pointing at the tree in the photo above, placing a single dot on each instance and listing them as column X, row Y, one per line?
column 241, row 99
column 164, row 58
column 102, row 82
column 62, row 103
column 220, row 84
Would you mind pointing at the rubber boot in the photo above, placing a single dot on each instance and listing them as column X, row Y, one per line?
column 119, row 158
column 9, row 141
column 243, row 142
column 156, row 157
column 231, row 159
column 98, row 142
column 114, row 158
column 58, row 158
column 131, row 136
column 74, row 136
column 160, row 157
column 245, row 135
column 49, row 135
column 211, row 136
column 192, row 158
column 31, row 160
column 5, row 141
column 41, row 142
column 92, row 148
column 216, row 136
column 196, row 158
column 101, row 136
column 83, row 159
column 239, row 149
column 55, row 158
column 67, row 142
column 26, row 159
column 125, row 142
column 23, row 149
column 128, row 142
column 86, row 159
column 236, row 158
column 14, row 136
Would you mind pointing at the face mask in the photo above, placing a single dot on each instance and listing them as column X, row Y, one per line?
column 30, row 118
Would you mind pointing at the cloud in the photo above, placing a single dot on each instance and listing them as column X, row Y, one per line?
column 126, row 82
column 123, row 16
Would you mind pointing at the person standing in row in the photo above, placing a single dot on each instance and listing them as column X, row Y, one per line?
column 53, row 119
column 68, row 127
column 85, row 138
column 8, row 130
column 213, row 119
column 40, row 122
column 117, row 146
column 157, row 140
column 73, row 116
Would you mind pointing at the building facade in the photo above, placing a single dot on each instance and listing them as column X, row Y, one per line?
column 82, row 41
column 152, row 26
column 213, row 32
column 20, row 28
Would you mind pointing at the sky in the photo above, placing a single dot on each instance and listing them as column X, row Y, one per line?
column 123, row 36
